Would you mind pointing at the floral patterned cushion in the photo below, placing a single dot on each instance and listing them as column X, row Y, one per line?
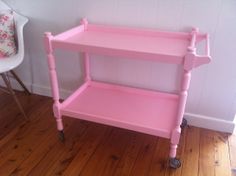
column 7, row 29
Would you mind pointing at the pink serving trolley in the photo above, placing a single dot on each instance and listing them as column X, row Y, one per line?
column 152, row 112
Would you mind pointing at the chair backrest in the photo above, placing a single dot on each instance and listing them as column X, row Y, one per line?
column 13, row 61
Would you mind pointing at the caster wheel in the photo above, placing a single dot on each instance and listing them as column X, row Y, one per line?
column 174, row 163
column 61, row 136
column 184, row 123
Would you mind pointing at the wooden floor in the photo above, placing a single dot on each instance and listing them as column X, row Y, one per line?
column 32, row 148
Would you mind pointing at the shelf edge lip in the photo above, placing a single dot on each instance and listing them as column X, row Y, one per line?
column 160, row 57
column 140, row 91
column 120, row 124
column 68, row 33
column 149, row 32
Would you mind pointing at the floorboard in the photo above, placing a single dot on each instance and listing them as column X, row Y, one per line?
column 33, row 148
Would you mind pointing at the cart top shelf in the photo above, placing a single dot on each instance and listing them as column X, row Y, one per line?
column 169, row 47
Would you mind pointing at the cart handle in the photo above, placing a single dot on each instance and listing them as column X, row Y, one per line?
column 206, row 58
column 193, row 60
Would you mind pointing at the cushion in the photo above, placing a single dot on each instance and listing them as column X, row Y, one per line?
column 7, row 30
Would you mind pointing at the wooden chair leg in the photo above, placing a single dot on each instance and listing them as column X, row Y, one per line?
column 8, row 84
column 20, row 82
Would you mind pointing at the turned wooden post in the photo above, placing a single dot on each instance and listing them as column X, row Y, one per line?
column 53, row 79
column 188, row 65
column 86, row 55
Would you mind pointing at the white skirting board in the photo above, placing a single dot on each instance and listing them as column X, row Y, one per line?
column 193, row 119
column 15, row 85
column 209, row 122
column 46, row 91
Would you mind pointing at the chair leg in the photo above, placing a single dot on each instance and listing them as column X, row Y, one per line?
column 20, row 82
column 8, row 84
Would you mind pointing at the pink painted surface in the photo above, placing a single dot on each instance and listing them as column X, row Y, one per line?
column 169, row 47
column 86, row 67
column 135, row 109
column 150, row 112
column 186, row 77
column 135, row 43
column 53, row 79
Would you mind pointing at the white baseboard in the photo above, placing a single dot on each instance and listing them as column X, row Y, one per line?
column 193, row 119
column 46, row 91
column 16, row 86
column 210, row 122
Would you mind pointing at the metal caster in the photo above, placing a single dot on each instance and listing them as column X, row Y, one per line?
column 61, row 136
column 174, row 163
column 184, row 123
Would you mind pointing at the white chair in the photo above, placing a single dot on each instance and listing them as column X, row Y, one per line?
column 8, row 64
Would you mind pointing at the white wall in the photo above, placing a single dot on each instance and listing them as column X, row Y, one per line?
column 212, row 96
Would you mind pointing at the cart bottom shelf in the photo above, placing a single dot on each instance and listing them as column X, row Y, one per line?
column 130, row 108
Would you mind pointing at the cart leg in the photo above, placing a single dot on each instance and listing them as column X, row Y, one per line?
column 54, row 84
column 189, row 61
column 57, row 114
column 173, row 161
column 87, row 67
column 173, row 149
column 59, row 123
column 60, row 129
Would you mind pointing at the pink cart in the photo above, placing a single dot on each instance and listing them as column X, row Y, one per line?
column 155, row 113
